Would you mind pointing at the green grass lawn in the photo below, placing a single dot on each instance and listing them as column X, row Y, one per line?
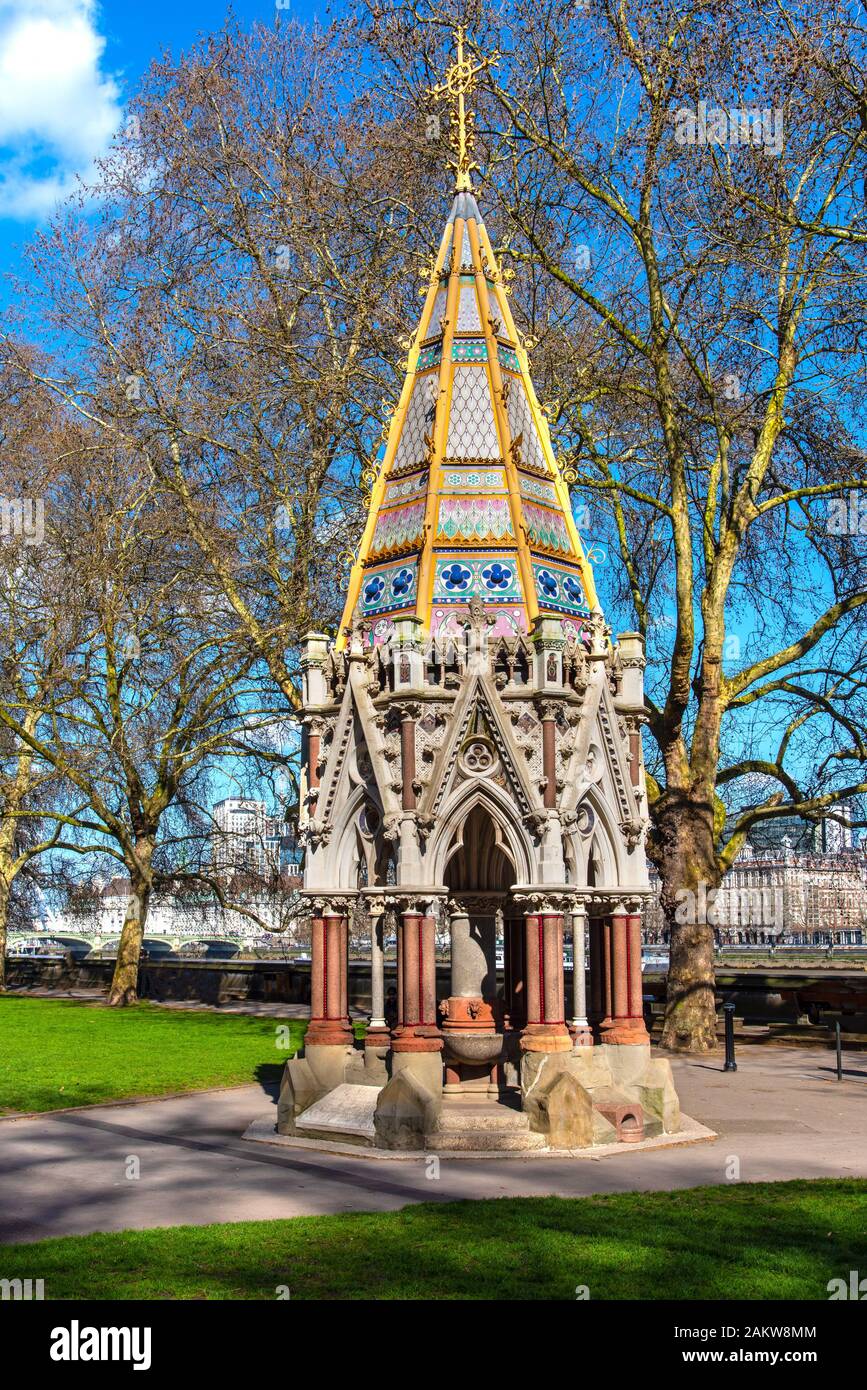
column 57, row 1052
column 752, row 1241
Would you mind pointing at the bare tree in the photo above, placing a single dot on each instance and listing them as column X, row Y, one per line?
column 154, row 689
column 236, row 311
column 35, row 616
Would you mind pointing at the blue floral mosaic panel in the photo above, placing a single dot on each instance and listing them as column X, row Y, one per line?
column 560, row 590
column 491, row 577
column 508, row 358
column 386, row 589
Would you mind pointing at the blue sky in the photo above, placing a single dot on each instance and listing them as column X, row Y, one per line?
column 67, row 68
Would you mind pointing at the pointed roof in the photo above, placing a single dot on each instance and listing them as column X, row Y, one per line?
column 468, row 500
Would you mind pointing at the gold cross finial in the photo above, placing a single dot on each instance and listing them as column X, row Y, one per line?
column 460, row 80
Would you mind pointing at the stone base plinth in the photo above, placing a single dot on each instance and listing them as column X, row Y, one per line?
column 426, row 1067
column 618, row 1080
column 546, row 1037
column 328, row 1032
column 625, row 1032
column 416, row 1037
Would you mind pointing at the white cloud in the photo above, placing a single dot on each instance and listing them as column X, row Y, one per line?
column 58, row 110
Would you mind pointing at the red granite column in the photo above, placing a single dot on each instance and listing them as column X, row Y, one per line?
column 545, row 1030
column 329, row 1006
column 627, row 1021
column 407, row 759
column 549, row 757
column 417, row 1029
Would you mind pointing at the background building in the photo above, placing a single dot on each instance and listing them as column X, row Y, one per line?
column 794, row 883
column 246, row 839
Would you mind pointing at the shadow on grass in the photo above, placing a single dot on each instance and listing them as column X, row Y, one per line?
column 762, row 1241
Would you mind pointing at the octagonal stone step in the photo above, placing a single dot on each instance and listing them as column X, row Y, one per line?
column 474, row 1125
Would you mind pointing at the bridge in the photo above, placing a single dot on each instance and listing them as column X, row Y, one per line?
column 94, row 943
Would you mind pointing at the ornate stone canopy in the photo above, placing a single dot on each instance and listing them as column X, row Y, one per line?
column 472, row 736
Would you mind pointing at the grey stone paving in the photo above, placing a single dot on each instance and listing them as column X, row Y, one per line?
column 782, row 1115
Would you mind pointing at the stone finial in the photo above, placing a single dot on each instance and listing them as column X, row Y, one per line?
column 314, row 653
column 632, row 664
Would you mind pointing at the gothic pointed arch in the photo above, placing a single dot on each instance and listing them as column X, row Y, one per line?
column 514, row 837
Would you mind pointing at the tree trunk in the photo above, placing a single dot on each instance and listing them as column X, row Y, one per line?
column 690, row 877
column 4, row 919
column 124, row 984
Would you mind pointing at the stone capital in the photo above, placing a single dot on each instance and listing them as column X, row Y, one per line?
column 331, row 904
column 545, row 901
column 474, row 904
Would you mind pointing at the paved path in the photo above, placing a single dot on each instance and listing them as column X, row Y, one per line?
column 259, row 1008
column 783, row 1115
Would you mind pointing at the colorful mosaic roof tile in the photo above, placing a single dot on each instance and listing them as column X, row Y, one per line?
column 465, row 479
column 546, row 527
column 398, row 529
column 429, row 357
column 434, row 325
column 479, row 518
column 403, row 488
column 469, row 320
column 510, row 620
column 420, row 415
column 523, row 426
column 390, row 589
column 470, row 350
column 468, row 447
column 472, row 431
column 538, row 490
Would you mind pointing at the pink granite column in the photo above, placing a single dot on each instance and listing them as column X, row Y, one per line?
column 416, row 1029
column 626, row 1025
column 545, row 1030
column 329, row 1006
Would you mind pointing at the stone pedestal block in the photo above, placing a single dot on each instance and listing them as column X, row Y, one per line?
column 298, row 1090
column 626, row 1061
column 425, row 1067
column 656, row 1092
column 405, row 1111
column 564, row 1113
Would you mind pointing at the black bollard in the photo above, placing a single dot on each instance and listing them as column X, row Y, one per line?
column 839, row 1042
column 730, row 1063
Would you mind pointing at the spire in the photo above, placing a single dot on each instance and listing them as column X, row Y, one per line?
column 468, row 500
column 460, row 81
